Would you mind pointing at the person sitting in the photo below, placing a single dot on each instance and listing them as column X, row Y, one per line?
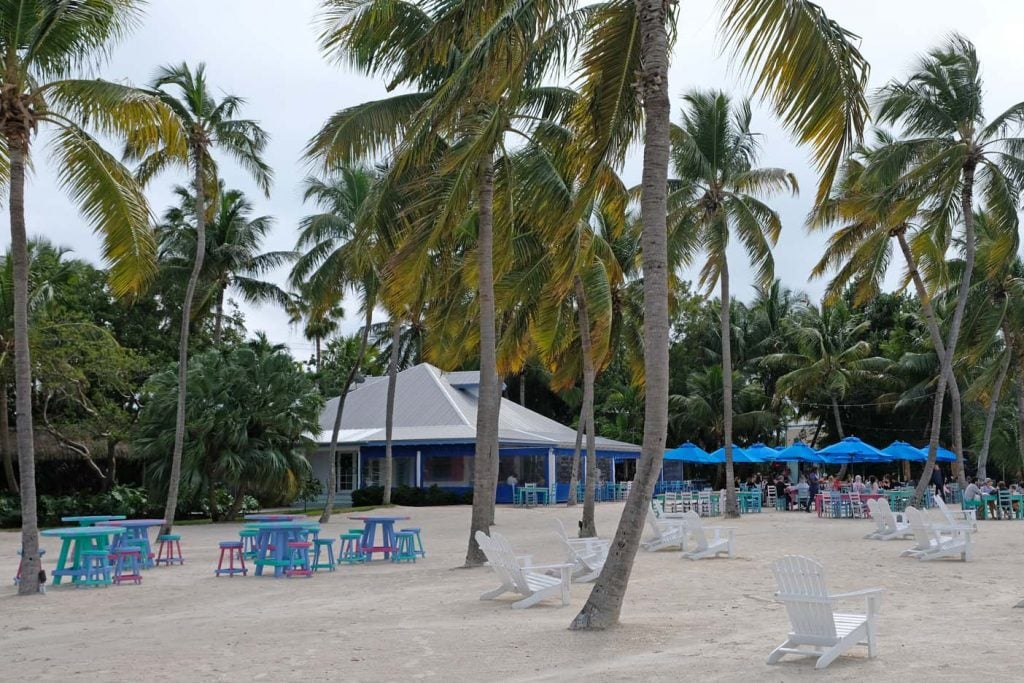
column 972, row 494
column 512, row 480
column 781, row 487
column 873, row 485
column 837, row 483
column 803, row 491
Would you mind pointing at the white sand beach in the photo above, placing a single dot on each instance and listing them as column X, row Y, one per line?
column 716, row 619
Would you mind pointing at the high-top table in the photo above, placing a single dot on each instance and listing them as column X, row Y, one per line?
column 272, row 540
column 387, row 527
column 274, row 517
column 137, row 530
column 89, row 520
column 75, row 541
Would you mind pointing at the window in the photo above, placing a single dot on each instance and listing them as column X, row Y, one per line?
column 344, row 464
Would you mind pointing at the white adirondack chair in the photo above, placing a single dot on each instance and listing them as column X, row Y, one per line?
column 721, row 540
column 932, row 544
column 880, row 527
column 517, row 575
column 856, row 505
column 957, row 518
column 587, row 555
column 894, row 523
column 817, row 629
column 666, row 533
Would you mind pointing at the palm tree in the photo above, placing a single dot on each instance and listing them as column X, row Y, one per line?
column 338, row 252
column 44, row 44
column 714, row 153
column 199, row 124
column 951, row 148
column 699, row 415
column 809, row 68
column 317, row 325
column 232, row 258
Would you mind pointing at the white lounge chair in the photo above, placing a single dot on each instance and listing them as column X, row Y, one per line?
column 720, row 542
column 517, row 575
column 587, row 555
column 667, row 533
column 930, row 541
column 955, row 518
column 892, row 525
column 817, row 629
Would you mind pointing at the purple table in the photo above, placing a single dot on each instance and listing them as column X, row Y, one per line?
column 137, row 530
column 387, row 526
column 273, row 517
column 277, row 535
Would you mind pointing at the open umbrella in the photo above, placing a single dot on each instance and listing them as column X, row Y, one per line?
column 944, row 455
column 901, row 450
column 738, row 455
column 689, row 452
column 798, row 452
column 762, row 452
column 850, row 450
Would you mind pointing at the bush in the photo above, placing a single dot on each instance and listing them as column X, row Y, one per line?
column 410, row 496
column 119, row 500
column 224, row 501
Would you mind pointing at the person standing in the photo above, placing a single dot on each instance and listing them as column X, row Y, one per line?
column 812, row 487
column 938, row 480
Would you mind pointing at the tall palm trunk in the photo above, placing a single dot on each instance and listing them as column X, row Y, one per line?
column 574, row 476
column 389, row 416
column 17, row 148
column 186, row 319
column 839, row 431
column 967, row 209
column 732, row 508
column 522, row 388
column 932, row 322
column 332, row 476
column 993, row 407
column 485, row 459
column 218, row 316
column 604, row 605
column 588, row 527
column 1020, row 419
column 319, row 355
column 5, row 440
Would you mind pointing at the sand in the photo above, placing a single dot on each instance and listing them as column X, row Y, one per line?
column 386, row 622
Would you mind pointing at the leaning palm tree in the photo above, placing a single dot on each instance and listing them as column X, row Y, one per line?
column 44, row 44
column 814, row 76
column 950, row 148
column 199, row 124
column 718, row 193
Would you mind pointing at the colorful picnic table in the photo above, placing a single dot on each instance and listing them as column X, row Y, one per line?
column 841, row 504
column 138, row 530
column 74, row 542
column 274, row 517
column 749, row 501
column 272, row 540
column 983, row 509
column 387, row 526
column 89, row 520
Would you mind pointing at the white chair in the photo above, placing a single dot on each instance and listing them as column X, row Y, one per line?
column 771, row 497
column 518, row 576
column 932, row 544
column 856, row 505
column 720, row 542
column 817, row 629
column 667, row 533
column 587, row 555
column 893, row 525
column 956, row 518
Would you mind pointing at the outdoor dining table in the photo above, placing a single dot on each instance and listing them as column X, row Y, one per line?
column 984, row 510
column 89, row 520
column 274, row 517
column 138, row 530
column 387, row 527
column 272, row 540
column 749, row 501
column 75, row 541
column 529, row 495
column 844, row 505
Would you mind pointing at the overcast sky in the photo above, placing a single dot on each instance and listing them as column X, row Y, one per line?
column 265, row 51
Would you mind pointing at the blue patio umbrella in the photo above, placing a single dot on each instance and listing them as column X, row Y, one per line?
column 850, row 450
column 738, row 455
column 944, row 455
column 798, row 452
column 901, row 450
column 762, row 452
column 688, row 452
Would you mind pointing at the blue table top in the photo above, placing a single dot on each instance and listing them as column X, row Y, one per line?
column 269, row 526
column 134, row 522
column 373, row 518
column 73, row 531
column 270, row 517
column 92, row 518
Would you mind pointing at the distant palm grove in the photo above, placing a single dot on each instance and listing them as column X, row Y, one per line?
column 476, row 218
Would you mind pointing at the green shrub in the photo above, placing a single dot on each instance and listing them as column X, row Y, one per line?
column 409, row 496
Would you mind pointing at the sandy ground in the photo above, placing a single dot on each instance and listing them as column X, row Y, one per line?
column 384, row 622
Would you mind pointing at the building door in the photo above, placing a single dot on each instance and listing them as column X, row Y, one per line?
column 345, row 468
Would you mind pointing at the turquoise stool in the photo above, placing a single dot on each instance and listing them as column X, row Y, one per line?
column 417, row 546
column 169, row 543
column 404, row 547
column 248, row 538
column 298, row 555
column 351, row 551
column 95, row 568
column 328, row 545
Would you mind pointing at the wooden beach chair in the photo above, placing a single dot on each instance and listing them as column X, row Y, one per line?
column 721, row 540
column 518, row 575
column 930, row 541
column 587, row 555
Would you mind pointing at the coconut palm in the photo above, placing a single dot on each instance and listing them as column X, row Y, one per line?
column 699, row 415
column 232, row 259
column 717, row 193
column 950, row 148
column 44, row 45
column 814, row 76
column 338, row 253
column 199, row 124
column 317, row 325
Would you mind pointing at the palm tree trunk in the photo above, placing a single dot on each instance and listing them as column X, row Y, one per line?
column 522, row 388
column 186, row 317
column 5, row 440
column 485, row 459
column 17, row 146
column 319, row 355
column 332, row 476
column 839, row 431
column 731, row 504
column 218, row 316
column 967, row 209
column 604, row 605
column 389, row 416
column 817, row 431
column 588, row 527
column 1020, row 419
column 993, row 407
column 932, row 322
column 574, row 476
